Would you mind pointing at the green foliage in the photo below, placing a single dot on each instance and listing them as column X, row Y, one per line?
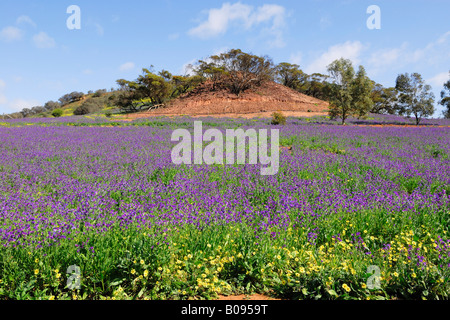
column 89, row 106
column 57, row 113
column 278, row 118
column 350, row 92
column 384, row 100
column 445, row 99
column 415, row 97
column 236, row 70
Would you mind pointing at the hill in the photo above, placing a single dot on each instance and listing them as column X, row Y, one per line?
column 270, row 97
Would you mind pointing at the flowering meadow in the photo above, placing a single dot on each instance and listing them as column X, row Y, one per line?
column 105, row 196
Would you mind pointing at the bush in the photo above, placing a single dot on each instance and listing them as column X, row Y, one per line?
column 278, row 118
column 89, row 106
column 57, row 113
column 108, row 114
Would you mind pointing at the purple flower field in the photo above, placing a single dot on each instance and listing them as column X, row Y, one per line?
column 109, row 199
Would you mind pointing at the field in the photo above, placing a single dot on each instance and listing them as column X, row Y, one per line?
column 105, row 197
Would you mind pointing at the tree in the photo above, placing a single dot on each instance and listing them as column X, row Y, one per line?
column 57, row 113
column 415, row 97
column 89, row 106
column 290, row 75
column 445, row 98
column 236, row 70
column 149, row 89
column 37, row 110
column 350, row 92
column 361, row 89
column 26, row 112
column 51, row 105
column 385, row 100
column 71, row 97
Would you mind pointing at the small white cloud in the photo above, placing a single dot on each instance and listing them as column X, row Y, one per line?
column 174, row 36
column 11, row 34
column 3, row 99
column 386, row 57
column 349, row 50
column 244, row 17
column 219, row 20
column 19, row 104
column 325, row 22
column 127, row 66
column 25, row 20
column 99, row 29
column 17, row 78
column 43, row 41
column 438, row 80
column 87, row 71
column 296, row 58
column 443, row 38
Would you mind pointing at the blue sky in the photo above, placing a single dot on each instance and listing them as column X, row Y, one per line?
column 41, row 59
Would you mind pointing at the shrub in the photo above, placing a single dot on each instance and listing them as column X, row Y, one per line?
column 89, row 106
column 57, row 113
column 108, row 114
column 278, row 118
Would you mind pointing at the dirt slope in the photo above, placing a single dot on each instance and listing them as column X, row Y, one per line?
column 260, row 101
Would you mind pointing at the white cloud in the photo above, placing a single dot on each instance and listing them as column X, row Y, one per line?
column 43, row 41
column 325, row 22
column 443, row 38
column 386, row 57
column 438, row 80
column 435, row 52
column 99, row 29
column 25, row 20
column 87, row 71
column 11, row 34
column 348, row 50
column 296, row 58
column 19, row 104
column 3, row 99
column 127, row 66
column 174, row 36
column 243, row 16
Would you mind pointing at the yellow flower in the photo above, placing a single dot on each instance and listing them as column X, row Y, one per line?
column 51, row 298
column 346, row 287
column 142, row 261
column 56, row 270
column 58, row 275
column 278, row 257
column 36, row 271
column 159, row 269
column 146, row 273
column 36, row 260
column 395, row 274
column 413, row 275
column 363, row 285
column 133, row 271
column 208, row 245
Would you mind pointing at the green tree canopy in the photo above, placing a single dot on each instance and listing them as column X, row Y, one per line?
column 445, row 98
column 415, row 97
column 385, row 100
column 349, row 91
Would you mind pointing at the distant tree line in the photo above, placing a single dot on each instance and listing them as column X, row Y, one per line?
column 349, row 92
